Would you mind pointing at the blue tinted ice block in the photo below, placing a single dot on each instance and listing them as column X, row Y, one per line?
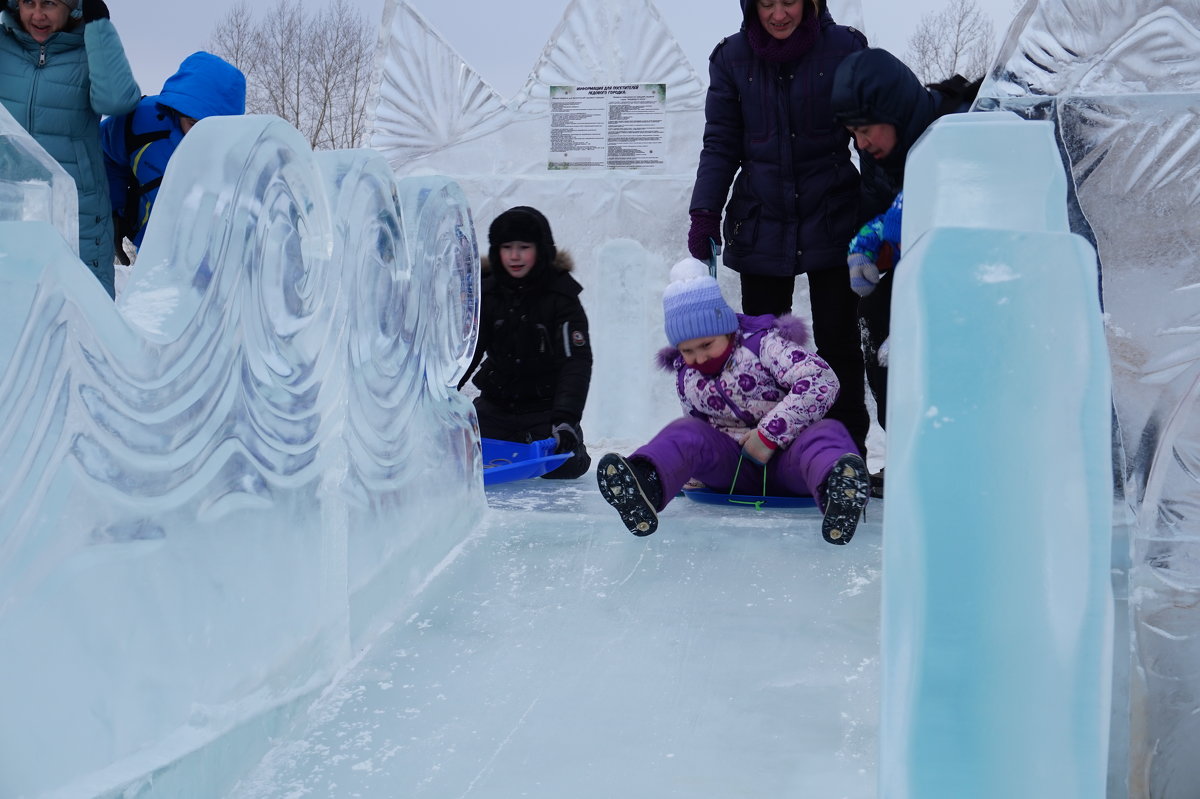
column 997, row 607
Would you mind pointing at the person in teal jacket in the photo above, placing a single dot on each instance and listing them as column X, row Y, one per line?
column 62, row 67
column 138, row 145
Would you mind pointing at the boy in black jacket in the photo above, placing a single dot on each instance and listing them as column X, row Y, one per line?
column 533, row 341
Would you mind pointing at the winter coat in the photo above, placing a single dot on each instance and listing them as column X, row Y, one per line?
column 771, row 382
column 533, row 342
column 138, row 145
column 795, row 195
column 874, row 86
column 879, row 239
column 58, row 90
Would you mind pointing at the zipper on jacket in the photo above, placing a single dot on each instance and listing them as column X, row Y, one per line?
column 33, row 86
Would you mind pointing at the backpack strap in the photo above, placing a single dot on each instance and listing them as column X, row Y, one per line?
column 135, row 145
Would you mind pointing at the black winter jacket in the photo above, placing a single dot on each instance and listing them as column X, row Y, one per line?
column 794, row 201
column 534, row 344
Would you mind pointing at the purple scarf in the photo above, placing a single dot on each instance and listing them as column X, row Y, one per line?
column 780, row 51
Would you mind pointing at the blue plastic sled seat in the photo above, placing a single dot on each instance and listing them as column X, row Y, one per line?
column 758, row 501
column 505, row 461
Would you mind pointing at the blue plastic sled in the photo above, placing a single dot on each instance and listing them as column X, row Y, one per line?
column 504, row 461
column 707, row 495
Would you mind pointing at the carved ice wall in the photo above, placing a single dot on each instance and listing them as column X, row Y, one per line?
column 213, row 493
column 1121, row 81
column 624, row 228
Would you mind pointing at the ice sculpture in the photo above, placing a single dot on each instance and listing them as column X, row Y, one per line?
column 1120, row 81
column 33, row 185
column 997, row 608
column 435, row 114
column 215, row 492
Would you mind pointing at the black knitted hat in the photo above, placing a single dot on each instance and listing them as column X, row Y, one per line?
column 522, row 223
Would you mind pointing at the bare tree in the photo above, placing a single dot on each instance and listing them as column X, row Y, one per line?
column 235, row 38
column 313, row 71
column 340, row 59
column 959, row 39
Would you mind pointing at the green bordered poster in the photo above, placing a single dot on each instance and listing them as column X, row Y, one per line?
column 607, row 127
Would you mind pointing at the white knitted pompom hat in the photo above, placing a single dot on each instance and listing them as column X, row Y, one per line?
column 693, row 306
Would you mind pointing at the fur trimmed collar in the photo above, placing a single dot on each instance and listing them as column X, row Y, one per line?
column 792, row 328
column 563, row 262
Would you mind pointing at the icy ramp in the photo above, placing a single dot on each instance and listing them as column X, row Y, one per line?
column 733, row 653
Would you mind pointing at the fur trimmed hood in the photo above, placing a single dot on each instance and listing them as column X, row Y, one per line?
column 563, row 262
column 790, row 327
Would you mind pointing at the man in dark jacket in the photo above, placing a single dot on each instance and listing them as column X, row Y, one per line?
column 774, row 150
column 533, row 341
column 885, row 107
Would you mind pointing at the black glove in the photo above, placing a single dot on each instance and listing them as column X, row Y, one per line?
column 566, row 438
column 93, row 10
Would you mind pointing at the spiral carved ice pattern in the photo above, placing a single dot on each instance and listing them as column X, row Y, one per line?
column 253, row 454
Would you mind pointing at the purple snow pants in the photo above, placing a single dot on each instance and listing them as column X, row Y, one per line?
column 689, row 447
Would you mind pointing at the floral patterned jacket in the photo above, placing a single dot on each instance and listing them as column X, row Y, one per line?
column 770, row 382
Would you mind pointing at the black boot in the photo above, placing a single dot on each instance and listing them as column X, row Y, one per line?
column 633, row 488
column 846, row 490
column 877, row 484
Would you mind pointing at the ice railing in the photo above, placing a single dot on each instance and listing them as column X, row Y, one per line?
column 997, row 607
column 214, row 492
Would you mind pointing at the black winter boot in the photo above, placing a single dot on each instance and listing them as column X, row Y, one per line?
column 877, row 484
column 633, row 488
column 846, row 490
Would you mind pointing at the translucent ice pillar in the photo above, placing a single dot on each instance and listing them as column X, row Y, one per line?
column 997, row 610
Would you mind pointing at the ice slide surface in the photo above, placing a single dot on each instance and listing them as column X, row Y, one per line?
column 732, row 653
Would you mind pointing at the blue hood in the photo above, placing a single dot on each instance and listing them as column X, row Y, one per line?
column 205, row 86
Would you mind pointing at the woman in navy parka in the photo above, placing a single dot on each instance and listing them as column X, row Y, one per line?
column 61, row 67
column 770, row 134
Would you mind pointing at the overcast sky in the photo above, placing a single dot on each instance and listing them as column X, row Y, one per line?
column 500, row 40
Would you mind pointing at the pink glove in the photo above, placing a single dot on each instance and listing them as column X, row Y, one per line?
column 706, row 225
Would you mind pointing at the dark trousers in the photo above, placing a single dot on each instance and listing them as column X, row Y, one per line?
column 525, row 428
column 835, row 332
column 874, row 325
